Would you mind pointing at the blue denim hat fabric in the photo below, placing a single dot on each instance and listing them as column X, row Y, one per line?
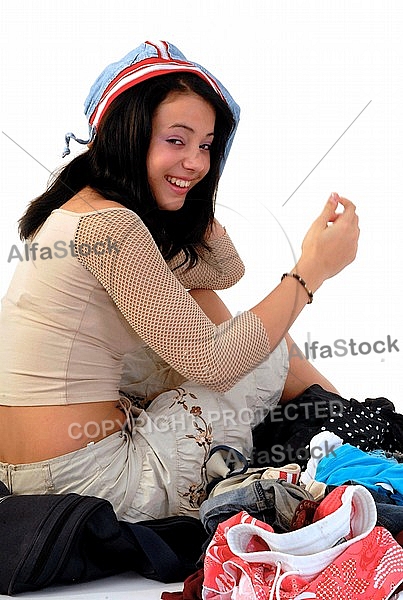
column 162, row 57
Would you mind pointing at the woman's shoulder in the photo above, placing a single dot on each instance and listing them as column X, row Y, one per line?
column 88, row 201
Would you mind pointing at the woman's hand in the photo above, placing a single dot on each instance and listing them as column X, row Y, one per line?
column 330, row 243
column 328, row 247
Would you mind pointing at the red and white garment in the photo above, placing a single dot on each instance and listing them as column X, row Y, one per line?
column 342, row 555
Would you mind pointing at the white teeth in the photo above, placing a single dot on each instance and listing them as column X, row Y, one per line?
column 179, row 182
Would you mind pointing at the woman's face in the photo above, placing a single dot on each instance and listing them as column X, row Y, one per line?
column 179, row 153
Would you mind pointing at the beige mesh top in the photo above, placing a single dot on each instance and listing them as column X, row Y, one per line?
column 99, row 289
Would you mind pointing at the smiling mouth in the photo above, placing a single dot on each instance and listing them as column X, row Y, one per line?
column 181, row 183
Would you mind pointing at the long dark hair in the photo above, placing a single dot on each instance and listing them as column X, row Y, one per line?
column 115, row 166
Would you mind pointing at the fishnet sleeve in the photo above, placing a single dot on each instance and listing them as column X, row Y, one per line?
column 218, row 269
column 119, row 251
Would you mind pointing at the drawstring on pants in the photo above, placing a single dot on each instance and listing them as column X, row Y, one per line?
column 131, row 412
column 278, row 580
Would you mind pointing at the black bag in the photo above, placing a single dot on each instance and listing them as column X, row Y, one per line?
column 68, row 538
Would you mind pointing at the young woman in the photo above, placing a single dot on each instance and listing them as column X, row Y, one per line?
column 116, row 300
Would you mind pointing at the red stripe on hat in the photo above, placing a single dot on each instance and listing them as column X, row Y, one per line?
column 154, row 45
column 127, row 71
column 133, row 74
column 167, row 48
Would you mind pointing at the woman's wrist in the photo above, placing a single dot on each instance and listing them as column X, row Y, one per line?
column 301, row 281
column 309, row 273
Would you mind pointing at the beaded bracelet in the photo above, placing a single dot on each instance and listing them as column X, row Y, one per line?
column 302, row 282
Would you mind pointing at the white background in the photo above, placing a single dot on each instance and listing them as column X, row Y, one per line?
column 302, row 71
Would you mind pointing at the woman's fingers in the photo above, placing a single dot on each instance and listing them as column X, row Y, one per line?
column 328, row 214
column 331, row 243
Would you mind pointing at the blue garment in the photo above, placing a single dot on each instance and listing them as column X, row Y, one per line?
column 152, row 59
column 348, row 463
column 269, row 500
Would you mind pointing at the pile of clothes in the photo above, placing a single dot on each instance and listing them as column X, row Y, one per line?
column 327, row 525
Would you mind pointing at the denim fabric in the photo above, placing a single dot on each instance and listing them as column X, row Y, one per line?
column 144, row 52
column 390, row 514
column 169, row 59
column 272, row 502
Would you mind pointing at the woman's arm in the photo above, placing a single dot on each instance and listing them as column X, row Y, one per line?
column 158, row 307
column 218, row 269
column 212, row 305
column 166, row 317
column 301, row 373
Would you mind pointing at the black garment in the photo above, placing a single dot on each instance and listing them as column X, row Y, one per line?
column 54, row 539
column 284, row 435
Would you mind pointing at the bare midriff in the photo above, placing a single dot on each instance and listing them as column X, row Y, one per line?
column 34, row 433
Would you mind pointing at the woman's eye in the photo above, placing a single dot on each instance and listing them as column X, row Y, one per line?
column 178, row 142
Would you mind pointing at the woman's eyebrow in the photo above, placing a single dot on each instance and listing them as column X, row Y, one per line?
column 188, row 128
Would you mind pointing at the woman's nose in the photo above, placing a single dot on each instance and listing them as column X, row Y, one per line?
column 194, row 160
